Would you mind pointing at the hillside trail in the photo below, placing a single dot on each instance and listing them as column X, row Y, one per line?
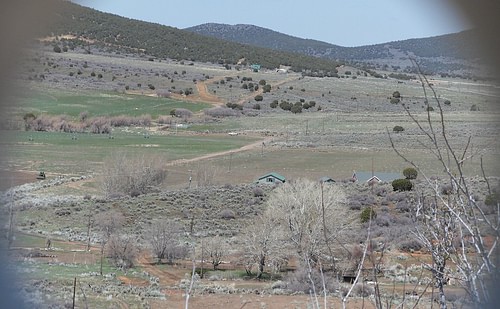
column 260, row 91
column 203, row 95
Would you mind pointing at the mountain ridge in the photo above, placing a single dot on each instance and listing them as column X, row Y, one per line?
column 458, row 49
column 228, row 45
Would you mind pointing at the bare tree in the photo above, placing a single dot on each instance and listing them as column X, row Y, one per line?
column 453, row 214
column 216, row 249
column 122, row 249
column 132, row 175
column 311, row 216
column 264, row 245
column 205, row 175
column 108, row 223
column 164, row 238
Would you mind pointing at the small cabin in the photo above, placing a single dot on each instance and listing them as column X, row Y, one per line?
column 375, row 177
column 326, row 179
column 271, row 178
column 255, row 67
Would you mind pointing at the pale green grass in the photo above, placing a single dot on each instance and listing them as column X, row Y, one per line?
column 55, row 102
column 59, row 153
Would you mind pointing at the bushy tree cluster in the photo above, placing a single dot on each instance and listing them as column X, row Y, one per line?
column 398, row 129
column 234, row 106
column 402, row 185
column 367, row 214
column 410, row 173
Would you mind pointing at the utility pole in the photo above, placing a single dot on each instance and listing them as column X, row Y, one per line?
column 89, row 225
column 74, row 292
column 202, row 259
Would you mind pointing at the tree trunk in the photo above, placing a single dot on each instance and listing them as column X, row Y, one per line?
column 262, row 263
column 102, row 254
column 440, row 281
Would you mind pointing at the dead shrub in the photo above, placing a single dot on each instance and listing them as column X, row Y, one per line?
column 144, row 120
column 227, row 214
column 397, row 196
column 258, row 192
column 446, row 189
column 183, row 113
column 410, row 245
column 403, row 206
column 360, row 290
column 128, row 121
column 163, row 93
column 100, row 125
column 299, row 281
column 120, row 121
column 382, row 220
column 164, row 119
column 380, row 191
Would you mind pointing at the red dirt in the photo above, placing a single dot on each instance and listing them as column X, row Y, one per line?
column 133, row 281
column 167, row 278
column 10, row 179
column 251, row 301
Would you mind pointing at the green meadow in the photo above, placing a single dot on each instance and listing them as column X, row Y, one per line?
column 66, row 153
column 58, row 102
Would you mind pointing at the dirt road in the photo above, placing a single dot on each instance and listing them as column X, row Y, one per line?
column 248, row 147
column 167, row 279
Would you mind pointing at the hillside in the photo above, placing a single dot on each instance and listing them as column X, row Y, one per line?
column 115, row 32
column 443, row 53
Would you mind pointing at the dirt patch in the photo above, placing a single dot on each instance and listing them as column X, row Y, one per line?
column 206, row 96
column 133, row 281
column 9, row 179
column 166, row 277
column 252, row 301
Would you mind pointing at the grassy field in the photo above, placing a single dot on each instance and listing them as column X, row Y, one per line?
column 55, row 152
column 72, row 103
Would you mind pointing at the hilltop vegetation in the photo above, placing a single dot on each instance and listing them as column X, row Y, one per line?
column 115, row 33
